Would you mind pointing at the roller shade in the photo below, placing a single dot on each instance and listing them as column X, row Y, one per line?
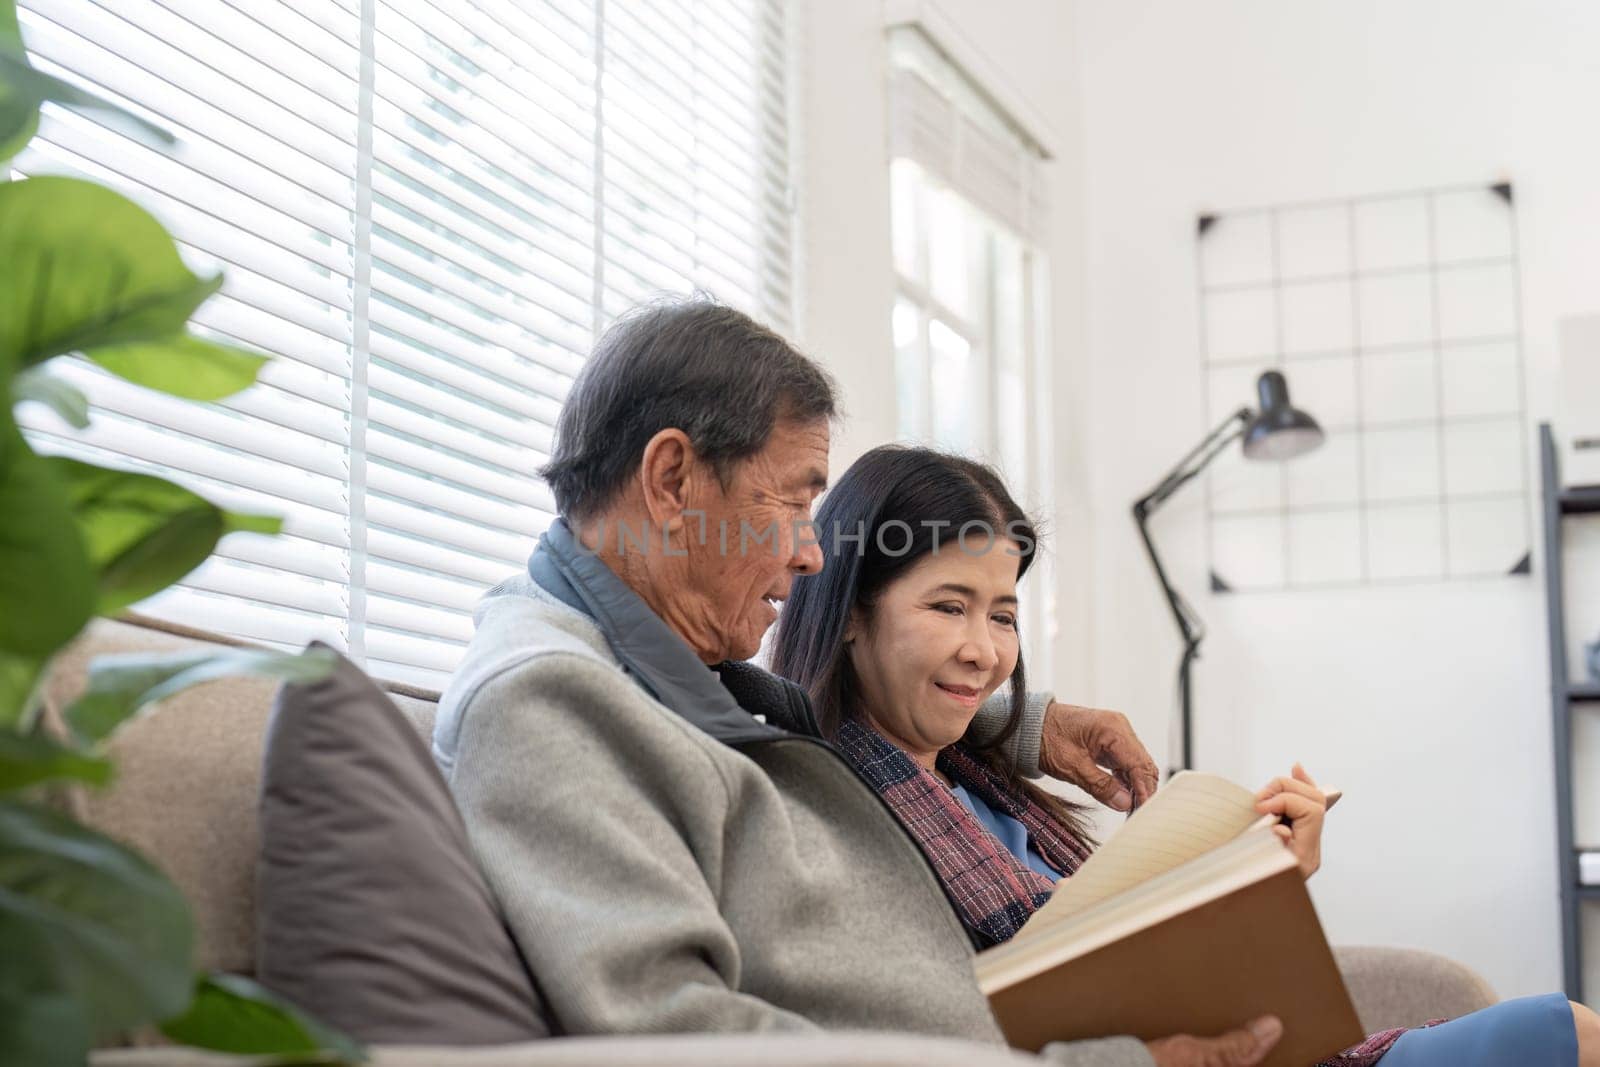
column 946, row 124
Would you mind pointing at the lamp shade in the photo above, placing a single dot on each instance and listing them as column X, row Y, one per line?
column 1279, row 430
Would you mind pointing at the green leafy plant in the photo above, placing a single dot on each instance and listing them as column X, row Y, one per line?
column 94, row 940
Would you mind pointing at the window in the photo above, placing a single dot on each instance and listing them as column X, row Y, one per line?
column 971, row 367
column 426, row 213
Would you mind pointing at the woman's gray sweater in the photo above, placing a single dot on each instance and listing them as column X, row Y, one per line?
column 658, row 880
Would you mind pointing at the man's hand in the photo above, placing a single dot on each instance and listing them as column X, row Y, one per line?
column 1081, row 745
column 1244, row 1047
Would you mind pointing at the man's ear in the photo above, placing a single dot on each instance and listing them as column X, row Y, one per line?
column 666, row 476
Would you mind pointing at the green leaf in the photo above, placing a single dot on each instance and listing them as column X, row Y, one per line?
column 10, row 32
column 43, row 1029
column 18, row 676
column 120, row 685
column 142, row 532
column 37, row 384
column 19, row 121
column 233, row 1014
column 186, row 366
column 47, row 586
column 86, row 268
column 20, row 77
column 84, row 917
column 28, row 759
column 19, row 111
column 23, row 89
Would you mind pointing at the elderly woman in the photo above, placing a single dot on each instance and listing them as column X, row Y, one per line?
column 912, row 624
column 667, row 859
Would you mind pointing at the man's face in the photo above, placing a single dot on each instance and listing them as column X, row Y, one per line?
column 728, row 585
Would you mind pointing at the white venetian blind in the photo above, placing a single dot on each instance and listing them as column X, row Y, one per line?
column 425, row 213
column 695, row 161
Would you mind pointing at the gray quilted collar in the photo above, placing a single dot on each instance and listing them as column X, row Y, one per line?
column 657, row 659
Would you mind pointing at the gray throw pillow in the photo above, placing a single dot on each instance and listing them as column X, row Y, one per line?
column 371, row 912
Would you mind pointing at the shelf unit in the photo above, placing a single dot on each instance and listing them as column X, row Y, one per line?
column 1565, row 696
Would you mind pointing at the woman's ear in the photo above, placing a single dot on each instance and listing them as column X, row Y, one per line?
column 852, row 626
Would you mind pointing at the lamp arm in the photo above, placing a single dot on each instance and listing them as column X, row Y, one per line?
column 1187, row 467
column 1189, row 623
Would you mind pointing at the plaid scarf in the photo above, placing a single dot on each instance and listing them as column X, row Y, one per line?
column 993, row 891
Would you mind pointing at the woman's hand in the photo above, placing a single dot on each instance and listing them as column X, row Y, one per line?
column 1302, row 805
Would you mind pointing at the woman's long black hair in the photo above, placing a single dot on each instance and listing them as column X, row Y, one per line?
column 895, row 505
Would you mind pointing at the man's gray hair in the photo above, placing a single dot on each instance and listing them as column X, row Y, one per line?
column 691, row 364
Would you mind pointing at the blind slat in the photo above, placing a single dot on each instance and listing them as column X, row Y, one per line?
column 478, row 313
column 496, row 454
column 427, row 34
column 398, row 518
column 234, row 616
column 521, row 359
column 257, row 102
column 500, row 387
column 419, row 620
column 394, row 198
column 314, row 177
column 443, row 558
column 524, row 432
column 449, row 120
column 480, row 282
column 292, row 555
column 449, row 474
column 458, row 189
column 408, row 583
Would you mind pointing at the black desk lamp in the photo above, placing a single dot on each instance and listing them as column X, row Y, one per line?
column 1280, row 431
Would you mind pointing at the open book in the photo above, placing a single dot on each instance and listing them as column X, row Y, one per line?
column 1193, row 918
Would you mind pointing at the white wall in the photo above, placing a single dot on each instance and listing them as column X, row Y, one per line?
column 846, row 274
column 1428, row 703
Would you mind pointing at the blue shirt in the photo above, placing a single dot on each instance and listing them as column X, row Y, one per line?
column 1009, row 832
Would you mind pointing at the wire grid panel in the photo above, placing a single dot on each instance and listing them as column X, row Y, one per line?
column 1396, row 321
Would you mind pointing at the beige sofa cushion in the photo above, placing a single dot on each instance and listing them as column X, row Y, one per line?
column 188, row 780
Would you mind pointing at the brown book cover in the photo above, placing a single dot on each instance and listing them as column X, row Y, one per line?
column 1256, row 951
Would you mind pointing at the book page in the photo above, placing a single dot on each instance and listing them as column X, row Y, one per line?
column 1255, row 854
column 1188, row 817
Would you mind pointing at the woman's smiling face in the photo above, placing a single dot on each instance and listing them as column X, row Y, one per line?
column 939, row 641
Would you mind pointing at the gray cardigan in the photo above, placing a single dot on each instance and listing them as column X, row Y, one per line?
column 658, row 880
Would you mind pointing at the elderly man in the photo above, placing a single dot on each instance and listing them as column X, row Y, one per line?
column 666, row 859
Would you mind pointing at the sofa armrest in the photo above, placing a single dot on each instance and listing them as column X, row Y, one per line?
column 1407, row 987
column 696, row 1050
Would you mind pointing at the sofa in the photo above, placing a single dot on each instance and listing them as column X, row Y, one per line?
column 186, row 795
